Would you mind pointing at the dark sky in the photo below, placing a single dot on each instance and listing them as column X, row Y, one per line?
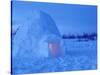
column 69, row 18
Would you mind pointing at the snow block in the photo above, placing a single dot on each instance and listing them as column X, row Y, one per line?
column 36, row 36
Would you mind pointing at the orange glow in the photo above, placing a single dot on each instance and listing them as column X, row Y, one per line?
column 54, row 48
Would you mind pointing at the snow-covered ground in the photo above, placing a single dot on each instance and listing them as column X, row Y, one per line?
column 79, row 56
column 30, row 40
column 36, row 38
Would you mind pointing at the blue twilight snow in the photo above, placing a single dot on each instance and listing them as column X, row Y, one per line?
column 39, row 42
column 33, row 36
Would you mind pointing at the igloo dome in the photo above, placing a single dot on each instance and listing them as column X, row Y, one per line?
column 36, row 36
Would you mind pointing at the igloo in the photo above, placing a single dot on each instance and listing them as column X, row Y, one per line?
column 35, row 37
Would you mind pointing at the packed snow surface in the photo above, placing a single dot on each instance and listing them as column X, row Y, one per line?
column 30, row 52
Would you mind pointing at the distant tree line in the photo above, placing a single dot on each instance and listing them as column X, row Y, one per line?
column 84, row 36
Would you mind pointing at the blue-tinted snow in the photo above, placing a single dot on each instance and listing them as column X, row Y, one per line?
column 31, row 33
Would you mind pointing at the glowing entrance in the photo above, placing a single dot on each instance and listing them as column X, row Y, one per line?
column 54, row 48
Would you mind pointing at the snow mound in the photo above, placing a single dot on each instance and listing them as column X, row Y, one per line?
column 33, row 34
